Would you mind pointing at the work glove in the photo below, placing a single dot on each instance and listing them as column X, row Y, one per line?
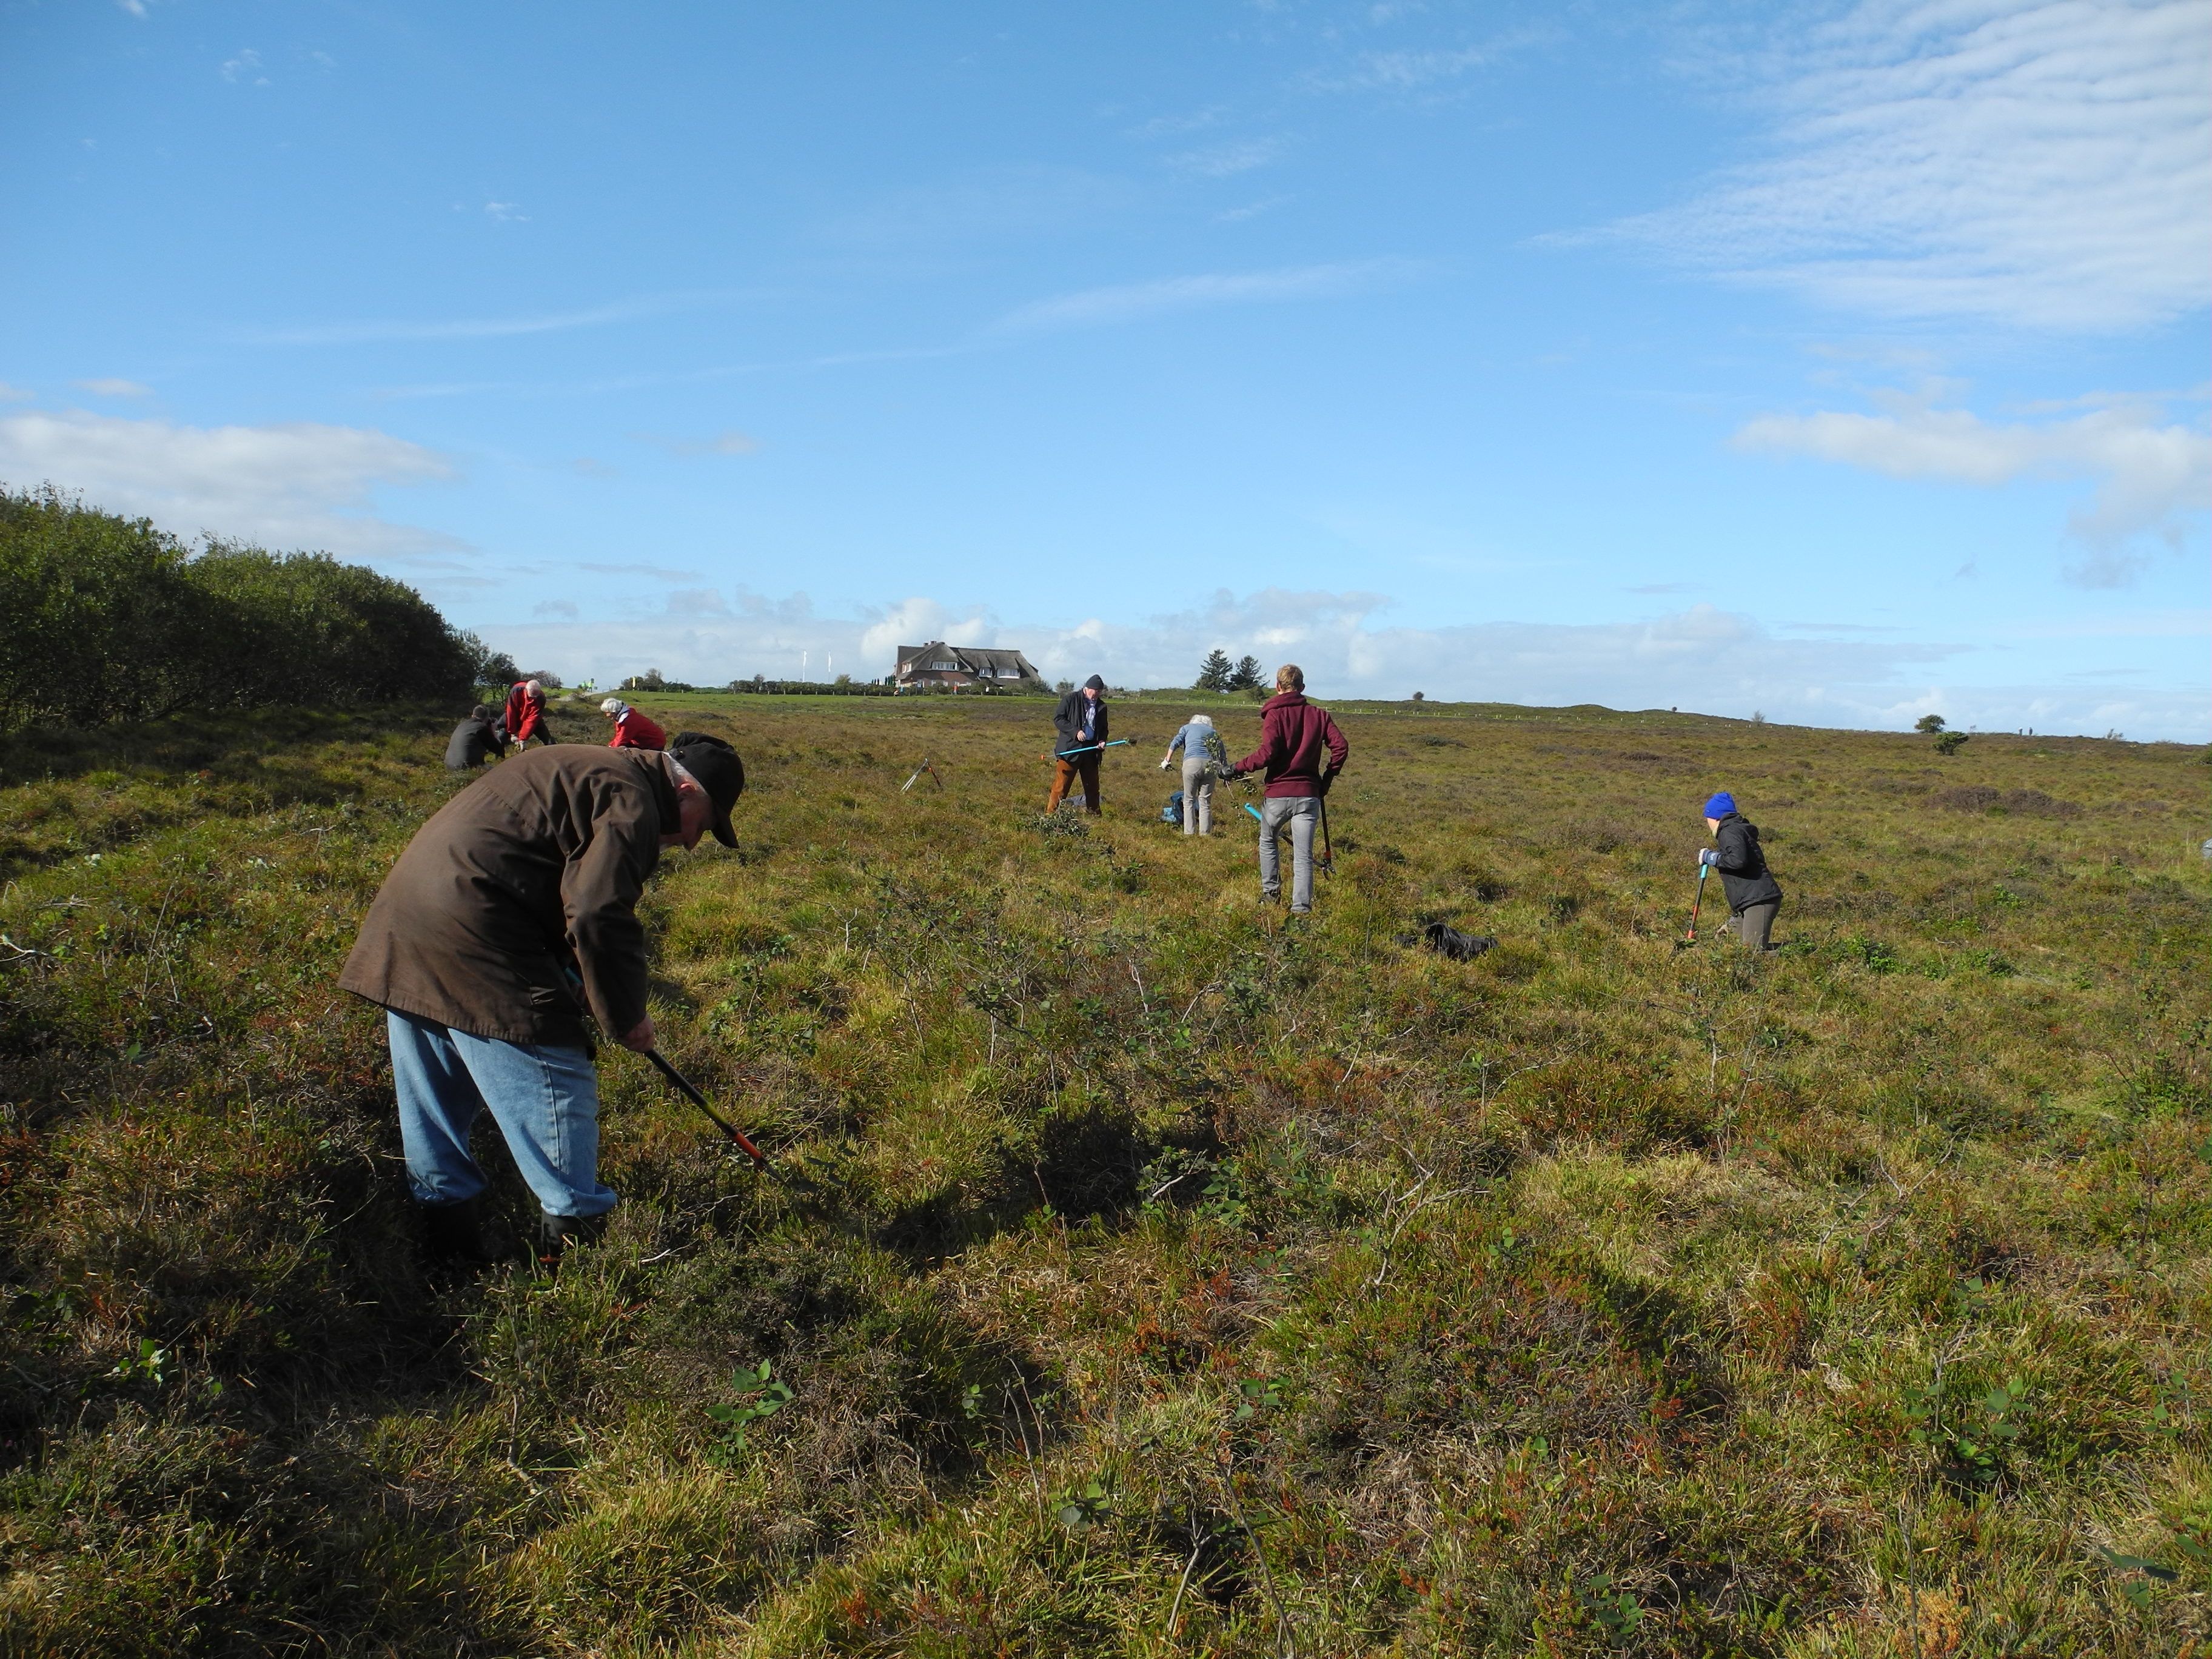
column 1164, row 766
column 1706, row 855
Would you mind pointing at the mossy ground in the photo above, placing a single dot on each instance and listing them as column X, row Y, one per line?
column 1158, row 1275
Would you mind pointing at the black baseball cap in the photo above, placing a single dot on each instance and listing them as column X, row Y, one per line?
column 719, row 771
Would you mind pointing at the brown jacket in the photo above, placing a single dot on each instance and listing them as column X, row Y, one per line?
column 542, row 857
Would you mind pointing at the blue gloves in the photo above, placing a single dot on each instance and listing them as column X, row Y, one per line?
column 1707, row 855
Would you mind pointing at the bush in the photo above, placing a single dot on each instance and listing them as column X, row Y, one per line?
column 1950, row 743
column 105, row 618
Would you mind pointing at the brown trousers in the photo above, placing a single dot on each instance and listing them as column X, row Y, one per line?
column 1065, row 770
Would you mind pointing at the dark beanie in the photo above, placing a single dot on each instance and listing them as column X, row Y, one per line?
column 1094, row 684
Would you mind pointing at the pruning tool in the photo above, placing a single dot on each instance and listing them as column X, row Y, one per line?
column 1703, row 870
column 684, row 1086
column 918, row 771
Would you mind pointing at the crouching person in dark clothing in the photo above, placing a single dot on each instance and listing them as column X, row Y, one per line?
column 1754, row 896
column 511, row 916
column 476, row 739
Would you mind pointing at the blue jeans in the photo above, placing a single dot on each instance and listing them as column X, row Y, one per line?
column 545, row 1101
column 1299, row 814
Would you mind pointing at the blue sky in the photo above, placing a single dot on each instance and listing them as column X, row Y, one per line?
column 1842, row 362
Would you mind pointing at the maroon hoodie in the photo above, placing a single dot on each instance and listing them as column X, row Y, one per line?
column 1292, row 734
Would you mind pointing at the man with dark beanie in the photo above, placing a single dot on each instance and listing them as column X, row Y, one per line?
column 1754, row 896
column 511, row 916
column 1293, row 735
column 1080, row 723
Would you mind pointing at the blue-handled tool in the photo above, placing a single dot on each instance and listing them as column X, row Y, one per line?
column 1118, row 743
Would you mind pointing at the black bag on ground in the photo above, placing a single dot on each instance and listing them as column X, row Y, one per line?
column 1448, row 941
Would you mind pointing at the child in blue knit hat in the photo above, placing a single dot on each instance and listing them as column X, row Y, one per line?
column 1754, row 896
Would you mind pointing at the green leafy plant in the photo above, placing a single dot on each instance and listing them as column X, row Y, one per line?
column 1975, row 1434
column 760, row 1396
column 1614, row 1611
column 1079, row 1511
column 2136, row 1575
column 1949, row 743
column 148, row 1363
column 1259, row 1395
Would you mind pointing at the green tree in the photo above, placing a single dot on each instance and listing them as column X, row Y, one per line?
column 1929, row 723
column 1215, row 673
column 104, row 618
column 493, row 667
column 1245, row 676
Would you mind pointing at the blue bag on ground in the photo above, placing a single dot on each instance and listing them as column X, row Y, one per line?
column 1172, row 812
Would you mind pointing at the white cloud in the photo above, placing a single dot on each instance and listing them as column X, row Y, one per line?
column 506, row 213
column 2147, row 475
column 247, row 65
column 1701, row 659
column 2041, row 165
column 488, row 328
column 731, row 442
column 1226, row 160
column 1128, row 301
column 13, row 394
column 113, row 388
column 1403, row 71
column 300, row 485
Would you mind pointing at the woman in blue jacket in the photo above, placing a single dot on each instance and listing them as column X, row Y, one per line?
column 1203, row 755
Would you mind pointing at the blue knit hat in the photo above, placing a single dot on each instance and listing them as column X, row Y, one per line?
column 1720, row 806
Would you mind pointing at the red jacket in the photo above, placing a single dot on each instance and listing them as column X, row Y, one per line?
column 633, row 730
column 1292, row 734
column 526, row 715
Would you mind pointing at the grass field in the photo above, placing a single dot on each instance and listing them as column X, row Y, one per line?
column 1157, row 1275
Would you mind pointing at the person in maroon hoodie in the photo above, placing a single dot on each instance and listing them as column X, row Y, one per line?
column 1293, row 733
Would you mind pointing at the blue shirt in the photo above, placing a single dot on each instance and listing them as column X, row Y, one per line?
column 1199, row 743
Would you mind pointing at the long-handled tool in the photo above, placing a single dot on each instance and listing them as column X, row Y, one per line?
column 1064, row 754
column 684, row 1088
column 918, row 771
column 1703, row 870
column 1327, row 854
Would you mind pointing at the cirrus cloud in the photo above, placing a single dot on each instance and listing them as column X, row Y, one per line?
column 2023, row 163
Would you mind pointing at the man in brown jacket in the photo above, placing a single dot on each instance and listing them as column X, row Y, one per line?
column 511, row 916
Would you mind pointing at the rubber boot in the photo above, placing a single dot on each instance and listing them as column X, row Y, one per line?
column 453, row 1236
column 558, row 1234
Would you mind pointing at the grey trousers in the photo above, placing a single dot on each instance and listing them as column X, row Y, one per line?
column 1300, row 813
column 1198, row 797
column 1752, row 924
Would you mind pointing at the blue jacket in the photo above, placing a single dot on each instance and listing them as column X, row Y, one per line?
column 1199, row 742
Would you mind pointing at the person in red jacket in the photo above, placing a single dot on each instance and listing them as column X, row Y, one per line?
column 1293, row 735
column 526, row 715
column 632, row 729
